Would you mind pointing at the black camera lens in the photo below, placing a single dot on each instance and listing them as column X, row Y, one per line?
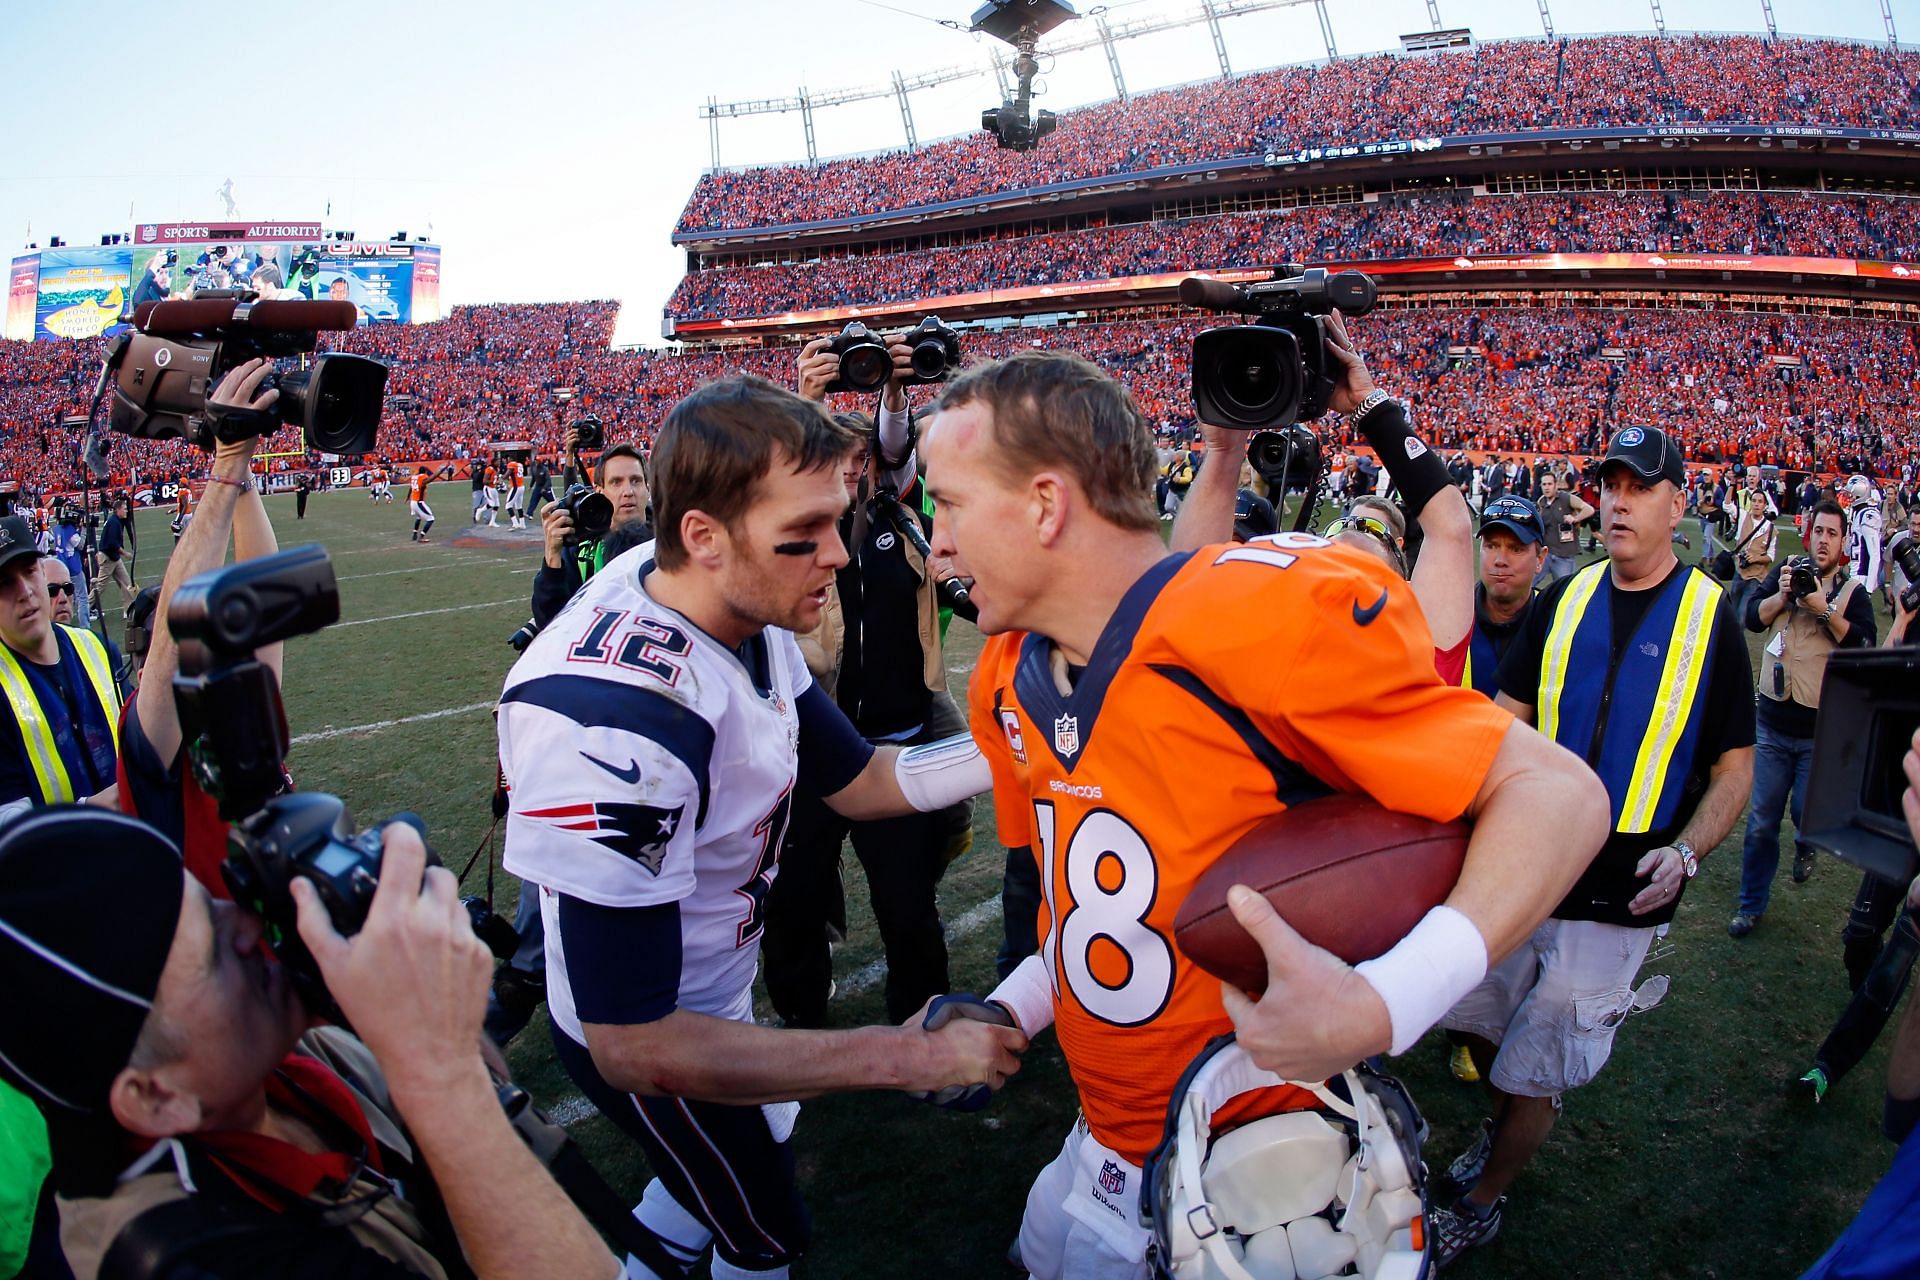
column 866, row 368
column 337, row 403
column 1248, row 376
column 930, row 359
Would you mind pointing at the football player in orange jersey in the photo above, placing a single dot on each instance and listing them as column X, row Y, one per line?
column 417, row 503
column 516, row 495
column 1142, row 710
column 490, row 497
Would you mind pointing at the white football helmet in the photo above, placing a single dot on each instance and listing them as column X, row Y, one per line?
column 1861, row 489
column 1295, row 1196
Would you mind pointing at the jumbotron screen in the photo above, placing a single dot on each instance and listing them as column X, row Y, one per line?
column 83, row 291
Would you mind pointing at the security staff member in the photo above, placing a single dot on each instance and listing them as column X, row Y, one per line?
column 1512, row 553
column 1808, row 614
column 877, row 652
column 59, row 736
column 1638, row 666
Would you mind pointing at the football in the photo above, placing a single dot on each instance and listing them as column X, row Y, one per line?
column 1349, row 874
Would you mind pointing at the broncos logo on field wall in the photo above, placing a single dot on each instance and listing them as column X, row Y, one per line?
column 637, row 831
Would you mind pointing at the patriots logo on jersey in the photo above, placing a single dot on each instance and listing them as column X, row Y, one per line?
column 640, row 832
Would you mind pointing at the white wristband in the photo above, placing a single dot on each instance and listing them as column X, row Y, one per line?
column 941, row 773
column 1427, row 973
column 1027, row 993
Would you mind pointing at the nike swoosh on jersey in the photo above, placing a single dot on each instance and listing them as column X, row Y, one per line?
column 629, row 774
column 1361, row 617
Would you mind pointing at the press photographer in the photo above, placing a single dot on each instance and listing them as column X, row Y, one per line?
column 1809, row 606
column 576, row 527
column 157, row 784
column 878, row 653
column 200, row 1125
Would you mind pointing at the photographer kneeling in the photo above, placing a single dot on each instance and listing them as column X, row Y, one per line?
column 1812, row 605
column 199, row 1127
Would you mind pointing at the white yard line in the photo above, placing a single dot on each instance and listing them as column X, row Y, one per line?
column 321, row 735
column 428, row 613
column 574, row 1108
column 428, row 568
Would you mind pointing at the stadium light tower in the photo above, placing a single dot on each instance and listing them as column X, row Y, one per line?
column 1015, row 124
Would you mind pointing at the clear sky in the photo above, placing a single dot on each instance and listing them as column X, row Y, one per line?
column 551, row 146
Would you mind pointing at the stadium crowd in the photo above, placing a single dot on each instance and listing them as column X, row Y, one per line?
column 1798, row 392
column 1433, row 225
column 1601, row 82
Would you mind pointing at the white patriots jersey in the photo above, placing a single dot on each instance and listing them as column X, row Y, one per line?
column 646, row 764
column 1863, row 536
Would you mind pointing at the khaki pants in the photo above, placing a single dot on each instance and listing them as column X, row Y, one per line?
column 112, row 571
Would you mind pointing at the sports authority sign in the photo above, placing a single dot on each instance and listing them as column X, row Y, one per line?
column 206, row 232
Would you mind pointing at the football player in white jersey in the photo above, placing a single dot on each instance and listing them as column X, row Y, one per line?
column 650, row 738
column 1865, row 528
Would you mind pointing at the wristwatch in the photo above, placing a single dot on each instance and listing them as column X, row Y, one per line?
column 1689, row 861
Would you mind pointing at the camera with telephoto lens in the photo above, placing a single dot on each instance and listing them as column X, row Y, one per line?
column 936, row 351
column 865, row 362
column 162, row 371
column 592, row 513
column 1802, row 579
column 1275, row 371
column 235, row 725
column 589, row 434
column 1286, row 459
column 1904, row 551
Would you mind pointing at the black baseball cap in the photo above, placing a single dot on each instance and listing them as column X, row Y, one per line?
column 1515, row 514
column 1649, row 452
column 16, row 541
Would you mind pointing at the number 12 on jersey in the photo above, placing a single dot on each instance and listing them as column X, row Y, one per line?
column 1100, row 949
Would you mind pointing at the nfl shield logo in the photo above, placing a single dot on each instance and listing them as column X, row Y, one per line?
column 1113, row 1179
column 1066, row 735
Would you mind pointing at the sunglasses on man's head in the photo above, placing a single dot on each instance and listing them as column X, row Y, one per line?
column 1361, row 524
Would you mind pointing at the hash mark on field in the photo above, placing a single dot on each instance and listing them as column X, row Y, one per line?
column 321, row 735
column 428, row 613
column 574, row 1108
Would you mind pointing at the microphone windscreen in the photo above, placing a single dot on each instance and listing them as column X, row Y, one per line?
column 1199, row 291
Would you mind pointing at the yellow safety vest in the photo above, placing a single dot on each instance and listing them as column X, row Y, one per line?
column 1635, row 722
column 36, row 727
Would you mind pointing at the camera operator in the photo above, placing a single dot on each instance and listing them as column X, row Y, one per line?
column 877, row 652
column 621, row 477
column 113, row 564
column 1809, row 606
column 198, row 1127
column 1880, row 1241
column 59, row 733
column 1561, row 511
column 156, row 783
column 1756, row 546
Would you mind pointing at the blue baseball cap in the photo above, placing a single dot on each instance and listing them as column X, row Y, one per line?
column 1515, row 514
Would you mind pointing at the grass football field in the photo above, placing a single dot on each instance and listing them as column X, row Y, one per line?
column 1685, row 1157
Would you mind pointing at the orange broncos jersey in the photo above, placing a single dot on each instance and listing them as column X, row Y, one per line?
column 493, row 479
column 514, row 472
column 1228, row 685
column 419, row 486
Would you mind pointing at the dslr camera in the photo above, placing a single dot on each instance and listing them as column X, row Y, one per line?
column 866, row 364
column 589, row 434
column 1904, row 551
column 1802, row 579
column 232, row 718
column 592, row 513
column 162, row 371
column 1275, row 371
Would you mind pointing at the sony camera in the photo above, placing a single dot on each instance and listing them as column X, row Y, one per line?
column 589, row 434
column 235, row 725
column 865, row 362
column 162, row 371
column 1904, row 551
column 1275, row 371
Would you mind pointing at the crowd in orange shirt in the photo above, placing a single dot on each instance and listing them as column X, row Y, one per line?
column 1601, row 82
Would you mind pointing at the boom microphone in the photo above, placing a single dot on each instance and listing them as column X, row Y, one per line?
column 1214, row 295
column 184, row 317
